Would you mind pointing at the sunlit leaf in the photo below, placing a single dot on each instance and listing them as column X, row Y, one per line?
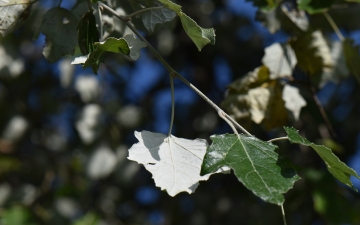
column 255, row 163
column 293, row 100
column 297, row 17
column 280, row 59
column 337, row 168
column 175, row 163
column 312, row 52
column 315, row 6
column 59, row 26
column 12, row 14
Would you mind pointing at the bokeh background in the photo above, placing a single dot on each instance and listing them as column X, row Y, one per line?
column 65, row 132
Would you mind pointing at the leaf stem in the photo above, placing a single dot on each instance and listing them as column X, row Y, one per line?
column 172, row 72
column 279, row 139
column 143, row 10
column 172, row 104
column 283, row 214
column 322, row 111
column 223, row 116
column 334, row 26
column 59, row 3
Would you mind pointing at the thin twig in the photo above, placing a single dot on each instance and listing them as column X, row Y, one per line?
column 322, row 111
column 143, row 10
column 169, row 68
column 223, row 116
column 283, row 214
column 279, row 139
column 334, row 26
column 101, row 24
column 59, row 3
column 172, row 104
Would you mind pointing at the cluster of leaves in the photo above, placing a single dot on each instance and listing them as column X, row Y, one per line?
column 264, row 95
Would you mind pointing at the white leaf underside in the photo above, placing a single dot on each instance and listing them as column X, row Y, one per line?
column 175, row 163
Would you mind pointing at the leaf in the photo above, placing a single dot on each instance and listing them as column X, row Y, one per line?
column 312, row 52
column 257, row 97
column 12, row 14
column 175, row 163
column 170, row 5
column 264, row 5
column 135, row 45
column 16, row 215
column 59, row 26
column 340, row 70
column 255, row 163
column 352, row 57
column 109, row 45
column 152, row 17
column 315, row 6
column 293, row 100
column 337, row 168
column 297, row 17
column 87, row 33
column 269, row 20
column 127, row 45
column 280, row 59
column 200, row 36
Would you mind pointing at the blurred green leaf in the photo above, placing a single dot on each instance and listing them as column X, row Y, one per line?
column 255, row 163
column 17, row 215
column 315, row 6
column 8, row 164
column 265, row 5
column 337, row 168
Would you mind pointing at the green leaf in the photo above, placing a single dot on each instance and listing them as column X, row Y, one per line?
column 200, row 36
column 352, row 57
column 170, row 5
column 337, row 168
column 312, row 52
column 12, row 14
column 127, row 45
column 152, row 17
column 59, row 26
column 314, row 6
column 265, row 5
column 18, row 215
column 255, row 163
column 87, row 33
column 109, row 45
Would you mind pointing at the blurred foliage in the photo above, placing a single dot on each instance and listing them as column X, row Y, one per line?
column 64, row 132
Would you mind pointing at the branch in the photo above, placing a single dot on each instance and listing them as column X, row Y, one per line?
column 334, row 26
column 89, row 5
column 172, row 72
column 172, row 104
column 322, row 111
